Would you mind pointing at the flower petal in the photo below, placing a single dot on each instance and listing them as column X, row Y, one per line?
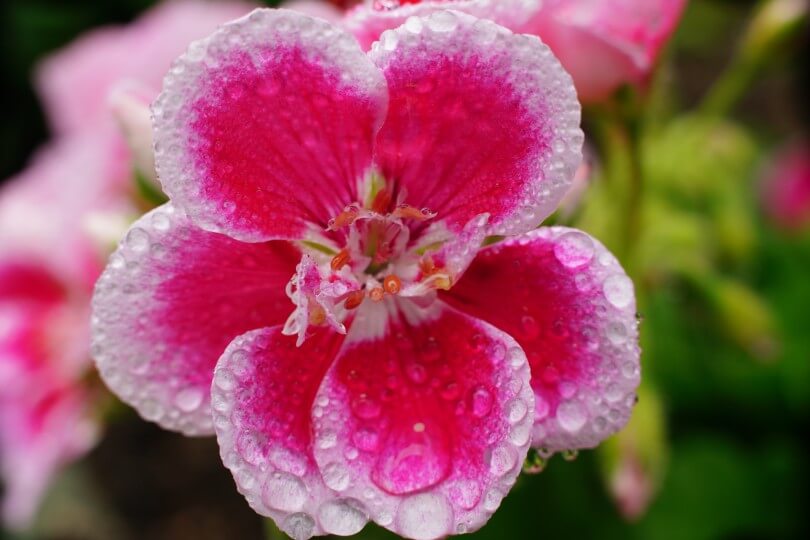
column 490, row 116
column 262, row 396
column 266, row 127
column 370, row 20
column 170, row 300
column 428, row 424
column 571, row 307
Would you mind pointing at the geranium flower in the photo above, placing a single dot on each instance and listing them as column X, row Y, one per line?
column 325, row 204
column 603, row 44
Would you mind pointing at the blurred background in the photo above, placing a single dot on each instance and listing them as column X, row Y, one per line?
column 719, row 249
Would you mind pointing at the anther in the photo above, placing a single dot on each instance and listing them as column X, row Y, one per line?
column 344, row 219
column 354, row 299
column 376, row 294
column 317, row 315
column 340, row 260
column 408, row 211
column 392, row 284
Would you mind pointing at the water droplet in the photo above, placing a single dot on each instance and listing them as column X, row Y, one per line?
column 502, row 460
column 189, row 400
column 571, row 416
column 251, row 446
column 480, row 401
column 616, row 332
column 284, row 492
column 366, row 439
column 478, row 342
column 516, row 410
column 629, row 369
column 574, row 249
column 160, row 222
column 137, row 240
column 465, row 493
column 366, row 408
column 492, row 500
column 529, row 329
column 613, row 393
column 442, row 21
column 416, row 372
column 343, row 517
column 336, row 476
column 618, row 290
column 451, row 391
column 534, row 463
column 299, row 526
column 569, row 455
column 425, row 516
column 426, row 450
column 541, row 408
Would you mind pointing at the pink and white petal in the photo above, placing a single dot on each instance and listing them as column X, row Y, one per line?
column 170, row 300
column 263, row 394
column 492, row 116
column 369, row 20
column 427, row 424
column 571, row 306
column 265, row 128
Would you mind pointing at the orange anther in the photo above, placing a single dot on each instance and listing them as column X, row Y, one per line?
column 376, row 294
column 381, row 201
column 408, row 211
column 317, row 315
column 343, row 219
column 340, row 260
column 354, row 299
column 392, row 284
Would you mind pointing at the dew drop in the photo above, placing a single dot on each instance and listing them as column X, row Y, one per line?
column 366, row 408
column 516, row 410
column 574, row 249
column 569, row 455
column 571, row 416
column 366, row 439
column 299, row 526
column 189, row 400
column 618, row 290
column 616, row 332
column 529, row 329
column 342, row 517
column 425, row 516
column 502, row 460
column 336, row 476
column 442, row 21
column 480, row 401
column 137, row 240
column 534, row 463
column 284, row 492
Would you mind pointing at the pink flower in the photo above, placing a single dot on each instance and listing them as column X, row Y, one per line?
column 51, row 216
column 603, row 44
column 786, row 190
column 396, row 386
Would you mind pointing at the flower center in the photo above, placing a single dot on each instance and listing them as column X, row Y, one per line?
column 380, row 258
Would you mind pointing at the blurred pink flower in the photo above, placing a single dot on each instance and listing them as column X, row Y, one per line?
column 54, row 218
column 603, row 44
column 786, row 188
column 316, row 292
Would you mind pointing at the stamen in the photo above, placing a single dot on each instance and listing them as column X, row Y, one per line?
column 354, row 299
column 377, row 294
column 381, row 201
column 427, row 266
column 345, row 218
column 408, row 211
column 392, row 284
column 340, row 260
column 317, row 315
